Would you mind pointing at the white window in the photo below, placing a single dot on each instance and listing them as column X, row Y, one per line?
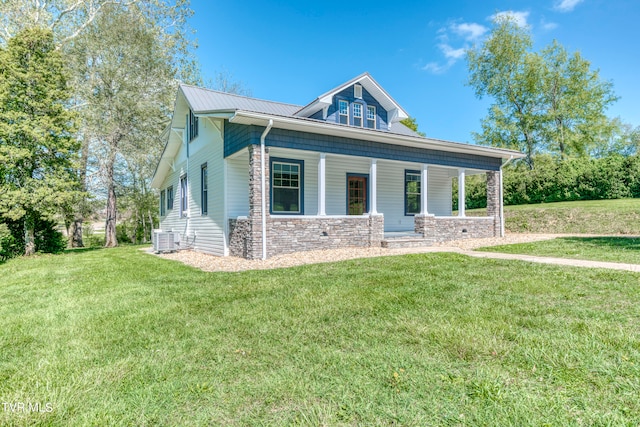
column 357, row 91
column 357, row 114
column 371, row 116
column 343, row 111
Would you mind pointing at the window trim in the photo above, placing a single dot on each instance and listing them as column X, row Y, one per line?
column 361, row 117
column 204, row 189
column 184, row 196
column 375, row 124
column 340, row 115
column 300, row 164
column 367, row 189
column 419, row 174
column 170, row 199
column 163, row 202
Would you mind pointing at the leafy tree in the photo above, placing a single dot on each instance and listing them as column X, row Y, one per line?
column 544, row 102
column 38, row 149
column 412, row 124
column 72, row 21
column 129, row 80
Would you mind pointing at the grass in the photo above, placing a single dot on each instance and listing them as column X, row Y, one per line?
column 612, row 249
column 621, row 216
column 119, row 337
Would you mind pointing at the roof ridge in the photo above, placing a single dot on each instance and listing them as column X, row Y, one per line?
column 238, row 96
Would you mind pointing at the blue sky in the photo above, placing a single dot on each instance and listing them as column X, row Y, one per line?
column 293, row 51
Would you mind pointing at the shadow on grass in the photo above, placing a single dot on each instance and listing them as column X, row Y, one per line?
column 626, row 243
column 82, row 250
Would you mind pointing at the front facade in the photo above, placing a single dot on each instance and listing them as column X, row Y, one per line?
column 252, row 178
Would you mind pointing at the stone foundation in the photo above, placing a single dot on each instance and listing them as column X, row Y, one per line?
column 443, row 229
column 294, row 234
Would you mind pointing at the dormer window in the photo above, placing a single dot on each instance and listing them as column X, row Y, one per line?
column 357, row 91
column 371, row 116
column 357, row 114
column 343, row 109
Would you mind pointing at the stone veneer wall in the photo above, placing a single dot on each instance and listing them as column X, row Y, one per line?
column 287, row 234
column 443, row 229
column 493, row 200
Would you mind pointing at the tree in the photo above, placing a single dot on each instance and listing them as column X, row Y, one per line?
column 128, row 83
column 38, row 149
column 544, row 102
column 71, row 21
column 412, row 124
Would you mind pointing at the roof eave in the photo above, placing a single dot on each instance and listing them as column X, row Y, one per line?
column 292, row 123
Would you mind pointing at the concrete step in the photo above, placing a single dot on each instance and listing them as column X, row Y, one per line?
column 406, row 242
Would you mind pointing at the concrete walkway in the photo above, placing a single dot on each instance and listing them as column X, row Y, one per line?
column 557, row 261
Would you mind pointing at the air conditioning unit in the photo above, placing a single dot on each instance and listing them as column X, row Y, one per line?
column 166, row 241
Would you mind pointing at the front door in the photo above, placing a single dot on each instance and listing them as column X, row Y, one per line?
column 356, row 195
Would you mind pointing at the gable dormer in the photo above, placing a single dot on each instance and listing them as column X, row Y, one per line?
column 360, row 102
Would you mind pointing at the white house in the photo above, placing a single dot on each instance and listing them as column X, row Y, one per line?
column 247, row 177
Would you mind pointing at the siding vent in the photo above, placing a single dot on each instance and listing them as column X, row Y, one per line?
column 357, row 91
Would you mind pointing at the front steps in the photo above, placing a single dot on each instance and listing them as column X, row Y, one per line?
column 405, row 240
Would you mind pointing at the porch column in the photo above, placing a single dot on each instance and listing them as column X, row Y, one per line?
column 461, row 195
column 373, row 172
column 423, row 190
column 322, row 184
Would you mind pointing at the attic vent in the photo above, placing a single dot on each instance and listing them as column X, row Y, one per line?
column 357, row 91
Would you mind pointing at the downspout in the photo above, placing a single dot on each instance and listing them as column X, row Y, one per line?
column 502, row 198
column 263, row 189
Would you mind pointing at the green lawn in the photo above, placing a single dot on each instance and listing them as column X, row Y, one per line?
column 612, row 249
column 119, row 337
column 621, row 216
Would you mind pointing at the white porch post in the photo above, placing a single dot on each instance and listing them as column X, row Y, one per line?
column 461, row 195
column 322, row 184
column 373, row 172
column 423, row 190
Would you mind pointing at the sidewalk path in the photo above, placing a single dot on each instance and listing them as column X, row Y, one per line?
column 557, row 261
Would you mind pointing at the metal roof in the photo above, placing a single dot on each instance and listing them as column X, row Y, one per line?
column 206, row 101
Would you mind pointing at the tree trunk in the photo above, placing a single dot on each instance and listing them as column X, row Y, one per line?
column 75, row 237
column 29, row 236
column 111, row 239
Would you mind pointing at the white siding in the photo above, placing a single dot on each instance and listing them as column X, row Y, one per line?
column 439, row 191
column 205, row 232
column 337, row 168
column 391, row 195
column 238, row 185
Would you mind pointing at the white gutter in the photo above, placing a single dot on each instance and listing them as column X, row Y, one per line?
column 502, row 198
column 263, row 189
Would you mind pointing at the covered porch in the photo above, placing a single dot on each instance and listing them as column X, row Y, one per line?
column 316, row 200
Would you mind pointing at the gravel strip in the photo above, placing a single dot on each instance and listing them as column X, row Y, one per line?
column 215, row 263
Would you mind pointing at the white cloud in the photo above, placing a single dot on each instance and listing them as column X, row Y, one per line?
column 450, row 52
column 520, row 18
column 566, row 5
column 470, row 32
column 455, row 33
column 436, row 68
column 548, row 26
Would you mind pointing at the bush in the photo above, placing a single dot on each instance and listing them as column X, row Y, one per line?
column 9, row 246
column 48, row 239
